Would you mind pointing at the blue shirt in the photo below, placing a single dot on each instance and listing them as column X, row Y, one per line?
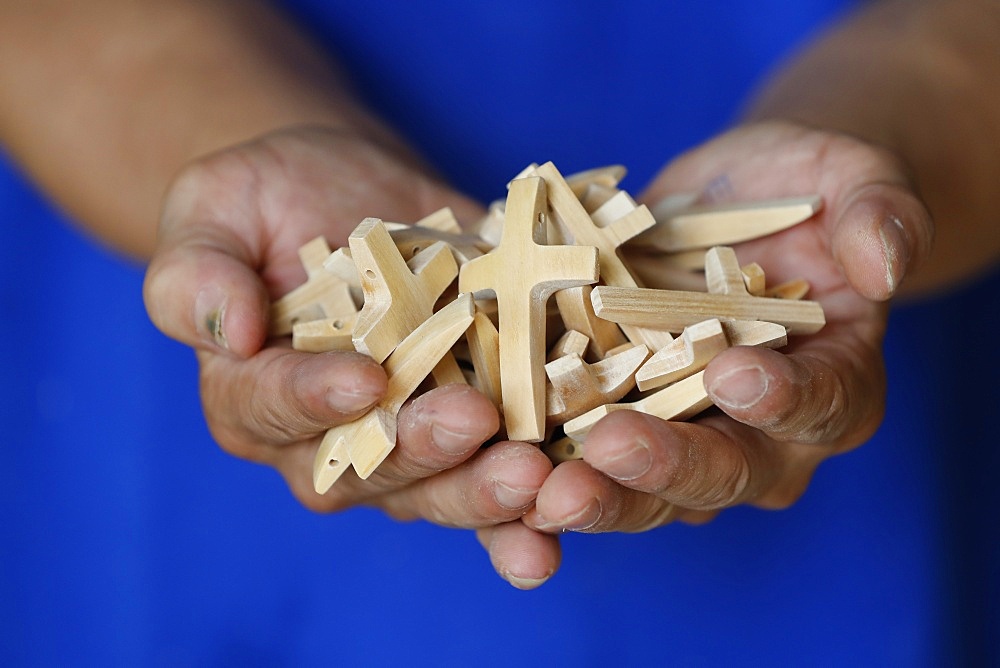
column 128, row 538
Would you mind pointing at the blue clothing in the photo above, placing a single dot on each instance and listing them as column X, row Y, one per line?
column 128, row 538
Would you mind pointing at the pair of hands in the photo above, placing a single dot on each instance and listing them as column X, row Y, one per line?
column 229, row 239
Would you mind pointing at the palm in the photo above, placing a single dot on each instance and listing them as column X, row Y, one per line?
column 823, row 395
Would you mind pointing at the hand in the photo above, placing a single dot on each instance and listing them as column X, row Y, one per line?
column 782, row 413
column 230, row 232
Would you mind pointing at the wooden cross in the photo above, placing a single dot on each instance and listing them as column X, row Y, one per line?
column 522, row 272
column 398, row 299
column 366, row 442
column 695, row 348
column 578, row 387
column 728, row 299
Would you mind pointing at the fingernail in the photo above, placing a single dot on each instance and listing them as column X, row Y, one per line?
column 350, row 398
column 512, row 498
column 629, row 465
column 450, row 442
column 740, row 388
column 209, row 312
column 895, row 250
column 525, row 583
column 581, row 520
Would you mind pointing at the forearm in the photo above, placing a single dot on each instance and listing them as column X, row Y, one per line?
column 923, row 79
column 102, row 102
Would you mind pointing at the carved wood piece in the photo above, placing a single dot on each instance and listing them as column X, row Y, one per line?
column 576, row 387
column 366, row 442
column 522, row 272
column 683, row 399
column 721, row 225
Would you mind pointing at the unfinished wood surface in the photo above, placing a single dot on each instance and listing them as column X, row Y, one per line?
column 522, row 272
column 341, row 264
column 366, row 442
column 320, row 336
column 723, row 225
column 728, row 299
column 489, row 228
column 484, row 349
column 581, row 228
column 674, row 310
column 654, row 270
column 754, row 279
column 411, row 240
column 442, row 220
column 609, row 177
column 616, row 208
column 564, row 449
column 794, row 289
column 723, row 274
column 680, row 401
column 688, row 354
column 576, row 387
column 596, row 195
column 577, row 312
column 397, row 300
column 700, row 343
column 569, row 343
column 323, row 295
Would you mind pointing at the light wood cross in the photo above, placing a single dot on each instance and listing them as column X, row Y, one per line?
column 398, row 299
column 522, row 272
column 700, row 343
column 366, row 442
column 727, row 299
column 578, row 387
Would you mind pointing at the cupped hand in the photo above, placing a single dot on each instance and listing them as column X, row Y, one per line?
column 780, row 413
column 228, row 245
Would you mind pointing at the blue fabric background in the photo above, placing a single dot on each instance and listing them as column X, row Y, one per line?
column 128, row 538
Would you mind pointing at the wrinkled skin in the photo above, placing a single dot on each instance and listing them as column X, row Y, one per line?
column 229, row 236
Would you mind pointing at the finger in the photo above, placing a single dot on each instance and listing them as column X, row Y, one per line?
column 280, row 395
column 201, row 286
column 881, row 233
column 704, row 466
column 524, row 558
column 829, row 391
column 437, row 431
column 576, row 497
column 497, row 485
column 440, row 429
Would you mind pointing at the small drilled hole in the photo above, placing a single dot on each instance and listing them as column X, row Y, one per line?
column 369, row 274
column 338, row 324
column 417, row 249
column 541, row 217
column 570, row 449
column 333, row 463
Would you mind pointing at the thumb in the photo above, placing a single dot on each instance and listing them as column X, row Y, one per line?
column 201, row 287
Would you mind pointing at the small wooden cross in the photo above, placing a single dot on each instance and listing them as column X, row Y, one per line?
column 398, row 298
column 727, row 299
column 367, row 441
column 522, row 272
